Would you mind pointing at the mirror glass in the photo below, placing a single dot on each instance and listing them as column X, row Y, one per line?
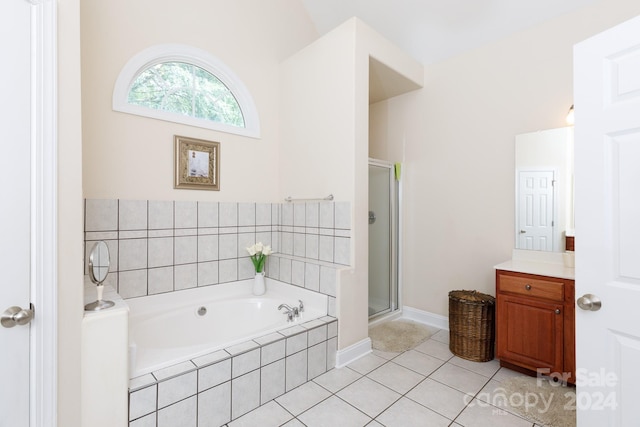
column 544, row 189
column 99, row 262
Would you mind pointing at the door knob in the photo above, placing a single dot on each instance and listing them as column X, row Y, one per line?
column 13, row 316
column 589, row 302
column 522, row 231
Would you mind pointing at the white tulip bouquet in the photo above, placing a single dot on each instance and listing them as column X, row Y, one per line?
column 259, row 253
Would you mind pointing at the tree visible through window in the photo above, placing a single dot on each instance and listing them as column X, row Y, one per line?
column 184, row 84
column 186, row 89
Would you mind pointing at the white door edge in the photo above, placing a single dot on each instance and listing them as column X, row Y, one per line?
column 44, row 337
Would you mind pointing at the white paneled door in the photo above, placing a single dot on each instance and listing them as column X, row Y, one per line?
column 535, row 210
column 15, row 218
column 607, row 183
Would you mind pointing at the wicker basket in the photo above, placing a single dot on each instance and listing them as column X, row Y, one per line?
column 471, row 325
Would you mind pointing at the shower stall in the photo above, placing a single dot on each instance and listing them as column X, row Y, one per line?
column 383, row 238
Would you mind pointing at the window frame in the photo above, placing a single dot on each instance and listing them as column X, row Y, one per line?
column 190, row 55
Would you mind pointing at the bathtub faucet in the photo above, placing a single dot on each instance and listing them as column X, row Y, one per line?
column 291, row 312
column 301, row 306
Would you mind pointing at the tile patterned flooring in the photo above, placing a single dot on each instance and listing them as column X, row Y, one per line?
column 424, row 386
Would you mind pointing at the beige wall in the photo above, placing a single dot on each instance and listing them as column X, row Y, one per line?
column 458, row 135
column 131, row 157
column 70, row 216
column 317, row 153
column 456, row 139
column 325, row 134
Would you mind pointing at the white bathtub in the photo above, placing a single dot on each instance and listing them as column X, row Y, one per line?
column 166, row 329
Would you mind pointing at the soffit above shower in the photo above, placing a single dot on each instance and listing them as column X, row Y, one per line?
column 385, row 83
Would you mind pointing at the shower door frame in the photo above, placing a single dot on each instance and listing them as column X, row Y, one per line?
column 394, row 238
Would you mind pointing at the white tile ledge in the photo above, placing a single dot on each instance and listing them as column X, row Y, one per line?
column 311, row 261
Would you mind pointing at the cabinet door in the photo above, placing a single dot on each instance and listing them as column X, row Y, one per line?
column 530, row 333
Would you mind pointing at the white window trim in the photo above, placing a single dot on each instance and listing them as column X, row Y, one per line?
column 191, row 55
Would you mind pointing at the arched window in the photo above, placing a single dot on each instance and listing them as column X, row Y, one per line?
column 185, row 85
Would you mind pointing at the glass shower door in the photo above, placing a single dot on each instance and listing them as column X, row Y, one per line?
column 382, row 217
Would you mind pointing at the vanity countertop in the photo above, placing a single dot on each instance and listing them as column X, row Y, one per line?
column 537, row 267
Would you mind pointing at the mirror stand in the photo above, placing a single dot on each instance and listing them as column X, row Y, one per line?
column 99, row 304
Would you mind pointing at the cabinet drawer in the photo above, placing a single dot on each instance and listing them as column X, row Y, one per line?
column 532, row 287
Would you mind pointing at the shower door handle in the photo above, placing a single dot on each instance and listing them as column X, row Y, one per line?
column 372, row 217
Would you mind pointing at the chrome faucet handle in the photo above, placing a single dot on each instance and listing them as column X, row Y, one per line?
column 301, row 306
column 289, row 311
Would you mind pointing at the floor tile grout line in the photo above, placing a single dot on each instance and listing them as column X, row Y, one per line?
column 361, row 375
column 404, row 395
column 429, row 377
column 327, row 398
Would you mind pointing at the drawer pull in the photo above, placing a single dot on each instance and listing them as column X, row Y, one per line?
column 527, row 287
column 557, row 311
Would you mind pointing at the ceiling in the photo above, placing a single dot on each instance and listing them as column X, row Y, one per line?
column 433, row 30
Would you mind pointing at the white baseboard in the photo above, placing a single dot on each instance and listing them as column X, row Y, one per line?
column 421, row 316
column 353, row 352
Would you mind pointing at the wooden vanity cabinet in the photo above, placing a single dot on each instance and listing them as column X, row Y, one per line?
column 535, row 323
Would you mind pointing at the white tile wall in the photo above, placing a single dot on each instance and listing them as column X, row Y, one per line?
column 143, row 402
column 160, row 280
column 146, row 421
column 183, row 414
column 296, row 366
column 160, row 215
column 228, row 215
column 213, row 375
column 186, row 214
column 272, row 380
column 132, row 215
column 176, row 389
column 207, row 214
column 317, row 360
column 245, row 363
column 214, row 406
column 213, row 389
column 101, row 215
column 245, row 393
column 163, row 246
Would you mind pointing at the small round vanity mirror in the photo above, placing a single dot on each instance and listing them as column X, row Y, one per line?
column 99, row 262
column 98, row 270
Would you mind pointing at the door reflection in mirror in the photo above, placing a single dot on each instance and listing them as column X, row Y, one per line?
column 544, row 189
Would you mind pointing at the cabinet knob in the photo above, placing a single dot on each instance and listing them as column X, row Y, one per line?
column 527, row 287
column 558, row 311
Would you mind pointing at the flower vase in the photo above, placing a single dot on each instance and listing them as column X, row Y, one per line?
column 258, row 284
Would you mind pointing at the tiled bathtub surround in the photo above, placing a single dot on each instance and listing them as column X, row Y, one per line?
column 214, row 389
column 165, row 246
